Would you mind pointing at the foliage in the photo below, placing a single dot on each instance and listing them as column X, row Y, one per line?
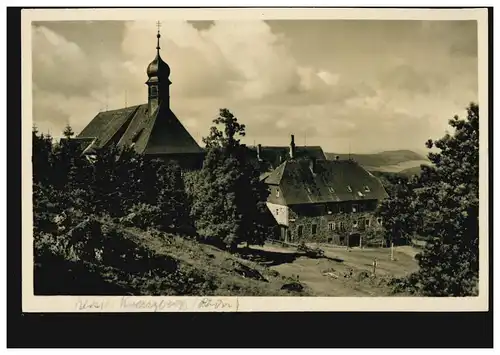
column 446, row 208
column 112, row 183
column 71, row 193
column 97, row 258
column 398, row 210
column 228, row 197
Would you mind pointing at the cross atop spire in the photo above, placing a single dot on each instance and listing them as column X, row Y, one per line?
column 158, row 25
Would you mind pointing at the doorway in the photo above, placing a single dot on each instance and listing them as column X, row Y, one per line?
column 354, row 240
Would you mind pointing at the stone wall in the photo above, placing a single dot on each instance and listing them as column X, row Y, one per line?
column 333, row 228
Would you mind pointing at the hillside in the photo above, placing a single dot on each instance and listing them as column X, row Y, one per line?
column 388, row 161
column 131, row 261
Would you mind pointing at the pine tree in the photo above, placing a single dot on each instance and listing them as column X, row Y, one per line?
column 68, row 131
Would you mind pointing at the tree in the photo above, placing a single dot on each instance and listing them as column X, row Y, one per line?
column 228, row 197
column 447, row 204
column 397, row 211
column 68, row 131
column 41, row 158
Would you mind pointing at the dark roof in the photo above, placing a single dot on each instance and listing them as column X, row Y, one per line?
column 329, row 183
column 160, row 133
column 106, row 124
column 168, row 136
column 273, row 156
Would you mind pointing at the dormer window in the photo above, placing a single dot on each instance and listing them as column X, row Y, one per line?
column 308, row 189
column 366, row 188
column 331, row 189
column 349, row 188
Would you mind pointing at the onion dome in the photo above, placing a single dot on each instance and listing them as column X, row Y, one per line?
column 158, row 68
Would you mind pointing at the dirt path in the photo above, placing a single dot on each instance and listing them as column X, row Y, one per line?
column 344, row 272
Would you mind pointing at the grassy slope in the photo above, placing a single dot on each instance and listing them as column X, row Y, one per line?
column 280, row 265
column 232, row 275
column 203, row 269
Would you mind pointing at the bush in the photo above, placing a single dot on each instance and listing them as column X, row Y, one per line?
column 142, row 216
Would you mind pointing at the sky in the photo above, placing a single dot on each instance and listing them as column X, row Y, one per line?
column 347, row 85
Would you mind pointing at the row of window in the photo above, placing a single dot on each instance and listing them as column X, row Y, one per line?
column 333, row 226
column 332, row 190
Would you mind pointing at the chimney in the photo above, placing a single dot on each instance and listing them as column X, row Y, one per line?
column 259, row 149
column 312, row 165
column 292, row 147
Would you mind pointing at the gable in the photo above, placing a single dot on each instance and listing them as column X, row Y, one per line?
column 168, row 136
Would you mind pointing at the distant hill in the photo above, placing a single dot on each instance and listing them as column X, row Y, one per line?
column 388, row 161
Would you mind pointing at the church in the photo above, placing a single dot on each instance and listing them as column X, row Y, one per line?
column 151, row 129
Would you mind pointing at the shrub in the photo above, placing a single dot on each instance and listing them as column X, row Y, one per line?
column 143, row 216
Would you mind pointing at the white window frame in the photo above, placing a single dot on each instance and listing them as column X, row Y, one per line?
column 331, row 226
column 354, row 208
column 314, row 229
column 368, row 222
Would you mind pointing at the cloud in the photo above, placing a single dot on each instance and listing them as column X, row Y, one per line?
column 371, row 85
column 59, row 64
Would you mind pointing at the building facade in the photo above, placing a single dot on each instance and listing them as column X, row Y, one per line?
column 327, row 201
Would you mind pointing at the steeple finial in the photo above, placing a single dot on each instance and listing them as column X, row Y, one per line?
column 158, row 25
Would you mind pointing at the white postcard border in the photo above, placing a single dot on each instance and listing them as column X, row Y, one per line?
column 32, row 303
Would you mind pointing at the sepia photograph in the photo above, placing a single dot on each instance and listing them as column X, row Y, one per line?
column 251, row 161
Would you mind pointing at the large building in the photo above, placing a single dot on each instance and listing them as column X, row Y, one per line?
column 151, row 129
column 319, row 200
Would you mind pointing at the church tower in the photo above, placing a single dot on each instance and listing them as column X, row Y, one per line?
column 158, row 80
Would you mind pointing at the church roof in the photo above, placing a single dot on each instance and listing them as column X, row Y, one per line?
column 107, row 124
column 160, row 133
column 154, row 133
column 332, row 181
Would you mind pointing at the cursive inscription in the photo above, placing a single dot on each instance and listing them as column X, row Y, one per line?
column 151, row 305
column 84, row 304
column 216, row 304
